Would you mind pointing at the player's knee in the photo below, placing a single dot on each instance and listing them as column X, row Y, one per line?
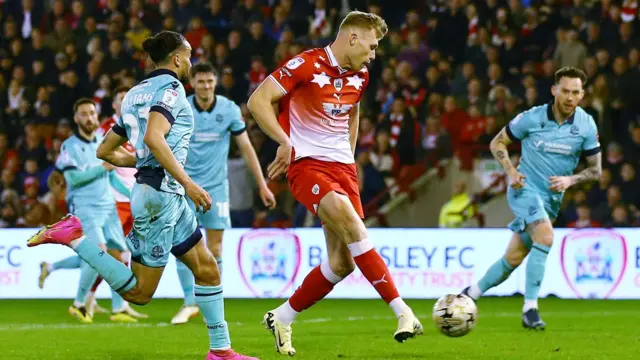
column 342, row 266
column 515, row 258
column 544, row 239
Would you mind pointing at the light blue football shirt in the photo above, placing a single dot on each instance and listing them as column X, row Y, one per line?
column 550, row 149
column 209, row 146
column 79, row 153
column 162, row 92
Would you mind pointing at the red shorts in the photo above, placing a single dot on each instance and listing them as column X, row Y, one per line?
column 126, row 219
column 310, row 180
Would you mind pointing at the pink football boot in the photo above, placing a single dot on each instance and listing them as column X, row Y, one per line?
column 63, row 232
column 229, row 355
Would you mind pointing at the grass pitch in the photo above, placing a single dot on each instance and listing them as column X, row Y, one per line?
column 333, row 329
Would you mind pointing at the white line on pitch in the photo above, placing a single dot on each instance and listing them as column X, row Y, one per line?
column 423, row 317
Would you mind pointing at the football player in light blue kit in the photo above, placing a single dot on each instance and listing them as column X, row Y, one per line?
column 158, row 121
column 88, row 197
column 553, row 137
column 216, row 119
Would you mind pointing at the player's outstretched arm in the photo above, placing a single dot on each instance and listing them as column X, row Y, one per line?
column 499, row 150
column 250, row 156
column 354, row 125
column 111, row 151
column 158, row 127
column 260, row 105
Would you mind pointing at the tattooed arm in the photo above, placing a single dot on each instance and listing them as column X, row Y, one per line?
column 592, row 172
column 499, row 150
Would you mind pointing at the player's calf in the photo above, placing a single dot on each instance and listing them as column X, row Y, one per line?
column 501, row 269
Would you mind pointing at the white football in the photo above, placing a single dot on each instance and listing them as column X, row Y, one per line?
column 455, row 315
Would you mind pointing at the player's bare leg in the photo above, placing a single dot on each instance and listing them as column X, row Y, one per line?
column 501, row 269
column 541, row 231
column 317, row 285
column 190, row 309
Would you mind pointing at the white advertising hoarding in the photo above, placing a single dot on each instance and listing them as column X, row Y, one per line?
column 425, row 263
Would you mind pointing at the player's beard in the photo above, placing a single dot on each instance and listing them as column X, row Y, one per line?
column 88, row 129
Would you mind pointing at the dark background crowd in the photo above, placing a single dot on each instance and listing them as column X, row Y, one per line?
column 448, row 76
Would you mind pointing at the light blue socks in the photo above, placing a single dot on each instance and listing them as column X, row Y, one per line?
column 117, row 302
column 88, row 276
column 211, row 303
column 115, row 273
column 186, row 281
column 497, row 273
column 72, row 262
column 535, row 270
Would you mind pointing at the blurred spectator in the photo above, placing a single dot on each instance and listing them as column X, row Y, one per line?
column 629, row 184
column 457, row 210
column 603, row 211
column 447, row 77
column 570, row 50
column 404, row 132
column 619, row 217
column 381, row 159
column 584, row 219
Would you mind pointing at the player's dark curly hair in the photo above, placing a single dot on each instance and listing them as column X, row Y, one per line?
column 570, row 72
column 81, row 102
column 162, row 44
column 203, row 67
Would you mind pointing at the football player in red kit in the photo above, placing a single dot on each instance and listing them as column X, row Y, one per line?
column 318, row 94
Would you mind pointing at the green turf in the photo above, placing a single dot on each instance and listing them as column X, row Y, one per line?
column 333, row 329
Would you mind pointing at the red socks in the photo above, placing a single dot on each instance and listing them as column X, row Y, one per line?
column 313, row 289
column 374, row 269
column 321, row 280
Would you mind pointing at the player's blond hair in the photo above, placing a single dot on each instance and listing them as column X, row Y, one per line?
column 366, row 21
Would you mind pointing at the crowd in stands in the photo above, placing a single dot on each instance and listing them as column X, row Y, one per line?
column 448, row 76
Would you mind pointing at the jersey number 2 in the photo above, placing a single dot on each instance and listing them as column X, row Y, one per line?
column 134, row 126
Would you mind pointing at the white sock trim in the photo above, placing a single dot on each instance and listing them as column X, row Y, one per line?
column 529, row 304
column 360, row 247
column 399, row 307
column 329, row 274
column 221, row 349
column 285, row 313
column 475, row 292
column 74, row 243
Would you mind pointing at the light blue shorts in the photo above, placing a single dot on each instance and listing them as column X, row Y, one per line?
column 218, row 217
column 163, row 223
column 528, row 205
column 102, row 226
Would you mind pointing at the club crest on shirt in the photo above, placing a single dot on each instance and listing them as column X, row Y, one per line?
column 337, row 83
column 574, row 130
